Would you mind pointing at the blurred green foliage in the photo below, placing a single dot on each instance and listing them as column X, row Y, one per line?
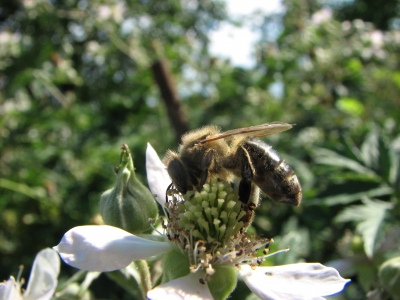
column 76, row 83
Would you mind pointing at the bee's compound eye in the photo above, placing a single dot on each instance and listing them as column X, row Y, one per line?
column 179, row 175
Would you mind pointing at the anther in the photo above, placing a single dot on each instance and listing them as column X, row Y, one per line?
column 240, row 252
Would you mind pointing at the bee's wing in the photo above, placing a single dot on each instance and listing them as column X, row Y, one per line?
column 252, row 131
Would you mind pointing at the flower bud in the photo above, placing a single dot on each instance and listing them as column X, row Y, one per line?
column 130, row 204
column 389, row 275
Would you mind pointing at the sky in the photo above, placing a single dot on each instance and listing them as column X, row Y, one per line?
column 236, row 43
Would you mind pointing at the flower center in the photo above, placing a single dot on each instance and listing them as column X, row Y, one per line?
column 209, row 226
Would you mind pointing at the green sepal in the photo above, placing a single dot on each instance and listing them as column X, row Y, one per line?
column 130, row 204
column 175, row 264
column 223, row 282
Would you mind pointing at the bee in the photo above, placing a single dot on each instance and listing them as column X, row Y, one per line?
column 235, row 156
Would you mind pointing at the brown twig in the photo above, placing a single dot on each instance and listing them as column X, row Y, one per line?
column 163, row 78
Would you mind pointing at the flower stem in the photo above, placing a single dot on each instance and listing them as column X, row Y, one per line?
column 145, row 279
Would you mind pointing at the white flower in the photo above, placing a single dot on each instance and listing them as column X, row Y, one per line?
column 106, row 248
column 294, row 281
column 114, row 12
column 321, row 16
column 42, row 282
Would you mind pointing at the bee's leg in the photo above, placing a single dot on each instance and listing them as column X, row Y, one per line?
column 248, row 195
column 244, row 191
column 179, row 175
column 206, row 164
column 246, row 175
column 248, row 191
column 246, row 170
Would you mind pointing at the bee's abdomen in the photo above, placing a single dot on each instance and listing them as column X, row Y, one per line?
column 272, row 174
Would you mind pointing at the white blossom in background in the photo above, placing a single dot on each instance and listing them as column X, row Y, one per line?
column 321, row 16
column 112, row 12
column 11, row 46
column 376, row 39
column 42, row 281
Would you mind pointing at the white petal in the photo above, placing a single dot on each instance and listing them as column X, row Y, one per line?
column 157, row 175
column 295, row 281
column 105, row 248
column 43, row 279
column 10, row 290
column 183, row 288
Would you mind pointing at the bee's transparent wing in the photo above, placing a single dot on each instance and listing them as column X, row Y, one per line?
column 252, row 131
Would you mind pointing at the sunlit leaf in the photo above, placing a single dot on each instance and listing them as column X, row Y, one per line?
column 389, row 275
column 351, row 148
column 328, row 157
column 394, row 152
column 349, row 198
column 354, row 64
column 351, row 106
column 396, row 78
column 370, row 149
column 368, row 218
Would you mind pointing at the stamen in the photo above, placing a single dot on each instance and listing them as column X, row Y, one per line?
column 21, row 268
column 198, row 249
column 277, row 252
column 210, row 271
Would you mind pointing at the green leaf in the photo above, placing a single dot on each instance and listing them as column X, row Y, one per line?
column 385, row 163
column 294, row 237
column 328, row 157
column 366, row 274
column 370, row 150
column 128, row 278
column 394, row 153
column 351, row 148
column 396, row 78
column 368, row 218
column 351, row 106
column 349, row 198
column 355, row 64
column 389, row 275
column 89, row 278
column 298, row 242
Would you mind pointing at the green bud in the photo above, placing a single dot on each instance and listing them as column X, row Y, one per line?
column 130, row 204
column 389, row 275
column 357, row 244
